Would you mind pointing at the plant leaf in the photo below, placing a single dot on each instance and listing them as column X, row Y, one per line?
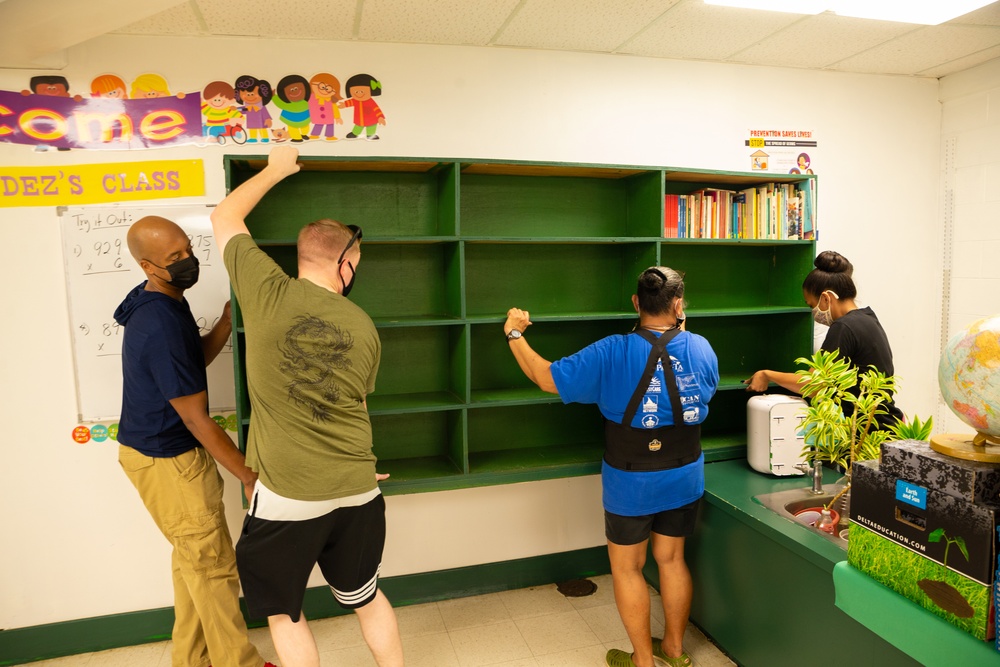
column 936, row 535
column 961, row 546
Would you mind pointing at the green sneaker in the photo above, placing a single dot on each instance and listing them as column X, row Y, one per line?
column 619, row 658
column 683, row 661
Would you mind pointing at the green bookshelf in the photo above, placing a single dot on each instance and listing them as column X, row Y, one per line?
column 450, row 245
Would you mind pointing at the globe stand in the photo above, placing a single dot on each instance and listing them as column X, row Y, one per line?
column 978, row 447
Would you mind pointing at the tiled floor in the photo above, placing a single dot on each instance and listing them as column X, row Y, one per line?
column 531, row 627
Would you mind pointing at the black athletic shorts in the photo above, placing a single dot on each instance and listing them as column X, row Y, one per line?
column 275, row 558
column 626, row 530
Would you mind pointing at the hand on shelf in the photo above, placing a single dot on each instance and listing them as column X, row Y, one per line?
column 516, row 319
column 284, row 159
column 757, row 382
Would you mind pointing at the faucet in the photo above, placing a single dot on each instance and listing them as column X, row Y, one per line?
column 817, row 475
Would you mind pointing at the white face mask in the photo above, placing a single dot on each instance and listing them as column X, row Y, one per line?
column 824, row 317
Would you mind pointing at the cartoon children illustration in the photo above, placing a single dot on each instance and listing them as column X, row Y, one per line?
column 254, row 95
column 53, row 86
column 803, row 161
column 109, row 86
column 150, row 86
column 292, row 97
column 361, row 88
column 218, row 108
column 323, row 109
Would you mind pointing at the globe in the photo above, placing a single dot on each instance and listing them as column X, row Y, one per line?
column 969, row 377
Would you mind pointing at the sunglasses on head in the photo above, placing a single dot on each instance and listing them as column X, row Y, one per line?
column 355, row 237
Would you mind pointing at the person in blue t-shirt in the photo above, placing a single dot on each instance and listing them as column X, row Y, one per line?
column 169, row 445
column 653, row 387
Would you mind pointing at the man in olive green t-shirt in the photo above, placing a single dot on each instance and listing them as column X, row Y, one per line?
column 311, row 359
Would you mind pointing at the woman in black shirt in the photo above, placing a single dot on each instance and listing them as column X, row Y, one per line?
column 856, row 332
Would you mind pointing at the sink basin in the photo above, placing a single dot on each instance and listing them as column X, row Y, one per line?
column 787, row 503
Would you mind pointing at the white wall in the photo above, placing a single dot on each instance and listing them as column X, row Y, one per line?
column 970, row 136
column 78, row 542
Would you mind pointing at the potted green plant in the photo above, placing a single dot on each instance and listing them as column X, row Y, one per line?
column 830, row 383
column 912, row 430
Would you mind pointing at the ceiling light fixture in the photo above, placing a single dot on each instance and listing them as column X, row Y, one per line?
column 900, row 11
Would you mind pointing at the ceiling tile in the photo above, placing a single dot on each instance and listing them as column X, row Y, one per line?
column 288, row 19
column 179, row 20
column 960, row 64
column 436, row 22
column 692, row 30
column 988, row 15
column 581, row 25
column 821, row 40
column 922, row 49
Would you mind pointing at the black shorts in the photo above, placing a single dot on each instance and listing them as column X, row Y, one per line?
column 626, row 530
column 275, row 558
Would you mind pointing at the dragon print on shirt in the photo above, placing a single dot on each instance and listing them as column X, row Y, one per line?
column 312, row 351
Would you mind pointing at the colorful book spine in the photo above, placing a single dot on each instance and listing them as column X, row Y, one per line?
column 769, row 211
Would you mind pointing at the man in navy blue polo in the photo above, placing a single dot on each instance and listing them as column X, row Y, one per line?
column 169, row 446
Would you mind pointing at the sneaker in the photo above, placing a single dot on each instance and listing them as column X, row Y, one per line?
column 619, row 658
column 351, row 135
column 658, row 653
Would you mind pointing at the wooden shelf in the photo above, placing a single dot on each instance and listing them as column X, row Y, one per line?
column 379, row 404
column 587, row 454
column 451, row 245
column 523, row 396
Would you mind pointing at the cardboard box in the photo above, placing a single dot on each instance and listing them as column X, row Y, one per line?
column 935, row 549
column 915, row 461
column 996, row 598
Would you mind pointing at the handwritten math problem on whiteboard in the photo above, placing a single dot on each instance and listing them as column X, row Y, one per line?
column 100, row 271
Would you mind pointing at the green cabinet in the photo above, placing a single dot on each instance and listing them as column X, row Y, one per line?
column 450, row 245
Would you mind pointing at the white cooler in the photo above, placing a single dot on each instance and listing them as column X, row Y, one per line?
column 774, row 444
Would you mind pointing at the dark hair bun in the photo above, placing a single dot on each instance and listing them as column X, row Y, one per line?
column 652, row 279
column 833, row 262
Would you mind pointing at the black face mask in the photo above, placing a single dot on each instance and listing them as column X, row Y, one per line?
column 183, row 273
column 356, row 236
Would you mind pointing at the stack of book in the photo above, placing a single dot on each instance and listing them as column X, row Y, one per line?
column 772, row 211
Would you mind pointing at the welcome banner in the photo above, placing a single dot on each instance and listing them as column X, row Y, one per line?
column 99, row 123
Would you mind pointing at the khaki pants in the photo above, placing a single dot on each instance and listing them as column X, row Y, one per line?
column 184, row 496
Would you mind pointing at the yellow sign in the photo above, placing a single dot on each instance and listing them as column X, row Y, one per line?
column 68, row 185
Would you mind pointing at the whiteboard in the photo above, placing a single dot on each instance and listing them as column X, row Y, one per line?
column 100, row 272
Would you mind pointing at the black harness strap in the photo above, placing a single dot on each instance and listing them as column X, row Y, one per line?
column 656, row 355
column 641, row 449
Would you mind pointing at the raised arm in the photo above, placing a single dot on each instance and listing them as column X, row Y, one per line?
column 538, row 369
column 229, row 217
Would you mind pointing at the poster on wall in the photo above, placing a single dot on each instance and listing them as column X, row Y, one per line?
column 51, row 115
column 781, row 151
column 67, row 185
